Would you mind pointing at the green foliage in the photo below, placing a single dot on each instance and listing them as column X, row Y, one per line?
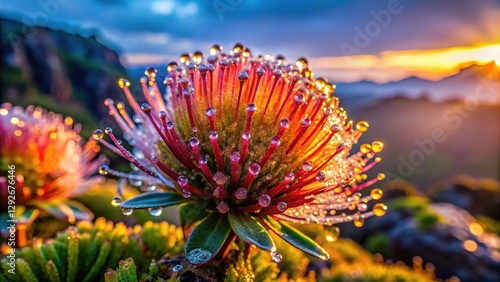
column 379, row 243
column 126, row 272
column 240, row 271
column 350, row 262
column 265, row 269
column 419, row 208
column 84, row 252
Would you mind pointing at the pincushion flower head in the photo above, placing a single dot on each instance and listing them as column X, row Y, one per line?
column 42, row 153
column 256, row 140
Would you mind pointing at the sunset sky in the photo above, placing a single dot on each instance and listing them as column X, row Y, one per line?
column 345, row 40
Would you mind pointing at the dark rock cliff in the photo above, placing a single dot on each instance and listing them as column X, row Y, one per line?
column 63, row 72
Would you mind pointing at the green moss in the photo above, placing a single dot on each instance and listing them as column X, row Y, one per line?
column 86, row 251
column 379, row 243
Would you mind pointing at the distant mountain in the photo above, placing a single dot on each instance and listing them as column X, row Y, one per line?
column 481, row 81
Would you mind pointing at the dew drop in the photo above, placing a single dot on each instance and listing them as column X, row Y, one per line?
column 379, row 209
column 155, row 211
column 234, row 156
column 218, row 193
column 127, row 211
column 213, row 135
column 146, row 108
column 362, row 207
column 376, row 194
column 97, row 134
column 177, row 268
column 264, row 200
column 245, row 135
column 122, row 83
column 210, row 112
column 199, row 255
column 275, row 141
column 307, row 166
column 254, row 169
column 289, row 177
column 219, row 178
column 150, row 188
column 108, row 130
column 186, row 193
column 320, row 176
column 251, row 107
column 222, row 207
column 194, row 142
column 184, row 58
column 332, row 233
column 241, row 193
column 182, row 180
column 103, row 170
column 282, row 206
column 276, row 257
column 377, row 146
column 136, row 182
column 362, row 126
column 285, row 123
column 116, row 201
column 358, row 222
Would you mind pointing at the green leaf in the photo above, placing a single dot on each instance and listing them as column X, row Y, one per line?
column 249, row 229
column 297, row 239
column 207, row 239
column 57, row 209
column 153, row 200
column 80, row 211
column 191, row 213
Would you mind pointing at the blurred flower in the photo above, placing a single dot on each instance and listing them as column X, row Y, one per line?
column 252, row 138
column 41, row 153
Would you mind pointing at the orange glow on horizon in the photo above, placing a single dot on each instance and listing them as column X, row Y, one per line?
column 431, row 64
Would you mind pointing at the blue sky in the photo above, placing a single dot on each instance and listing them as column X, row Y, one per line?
column 156, row 30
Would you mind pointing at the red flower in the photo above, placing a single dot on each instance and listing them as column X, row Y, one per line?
column 254, row 138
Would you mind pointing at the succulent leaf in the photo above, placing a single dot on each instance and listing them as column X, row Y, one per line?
column 153, row 200
column 249, row 229
column 207, row 239
column 296, row 238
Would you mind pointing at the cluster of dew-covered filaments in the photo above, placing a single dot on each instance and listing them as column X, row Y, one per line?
column 251, row 132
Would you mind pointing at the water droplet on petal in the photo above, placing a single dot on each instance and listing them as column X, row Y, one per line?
column 210, row 112
column 254, row 169
column 234, row 156
column 362, row 207
column 241, row 193
column 219, row 178
column 289, row 176
column 218, row 193
column 379, row 209
column 98, row 134
column 116, row 201
column 276, row 257
column 222, row 207
column 362, row 126
column 155, row 211
column 127, row 211
column 103, row 170
column 358, row 222
column 264, row 200
column 186, row 193
column 307, row 166
column 282, row 206
column 182, row 180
